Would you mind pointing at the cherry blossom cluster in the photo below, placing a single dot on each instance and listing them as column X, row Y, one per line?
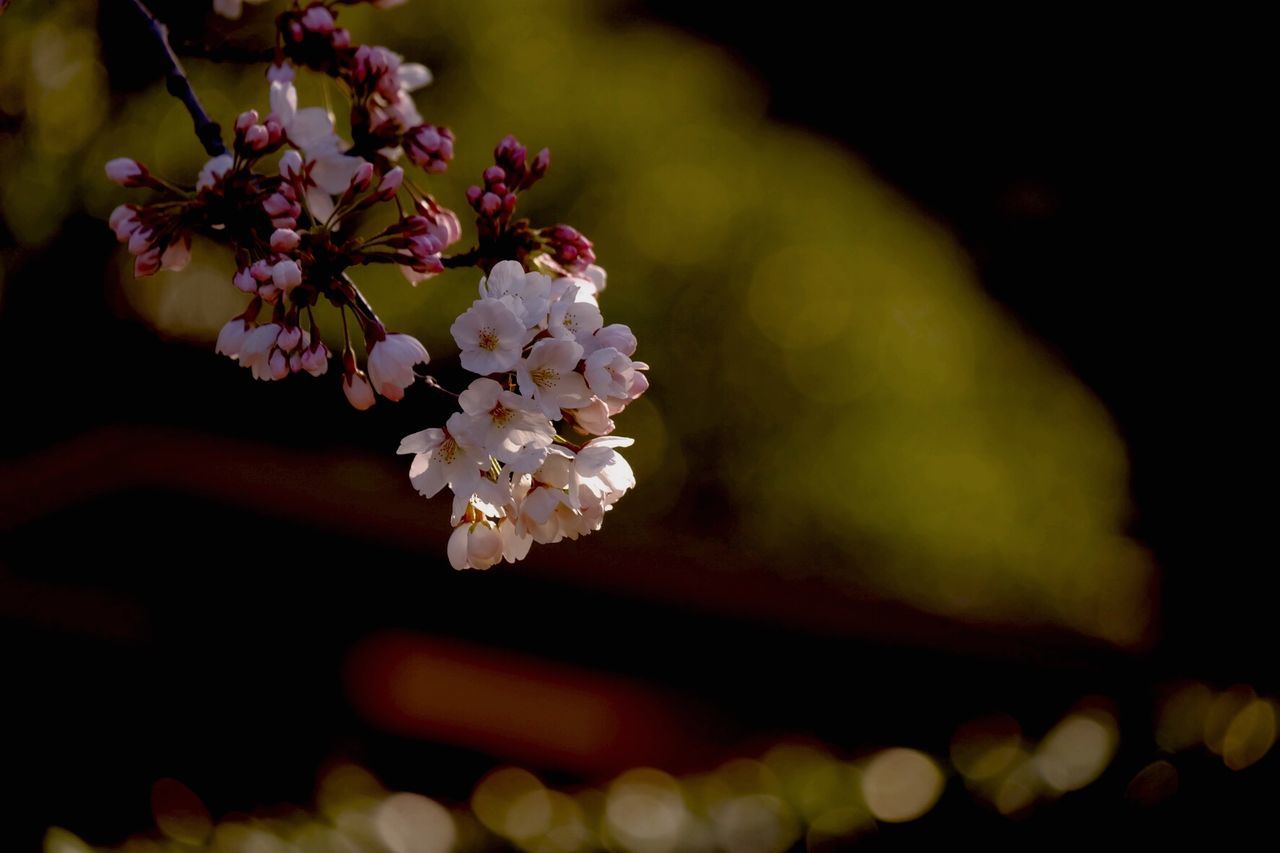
column 546, row 362
column 292, row 198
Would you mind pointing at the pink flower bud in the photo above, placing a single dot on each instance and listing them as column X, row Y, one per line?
column 341, row 39
column 124, row 221
column 146, row 263
column 260, row 270
column 257, row 137
column 315, row 359
column 289, row 338
column 362, row 177
column 246, row 120
column 415, row 224
column 244, row 280
column 295, row 362
column 282, row 73
column 125, row 172
column 278, row 365
column 358, row 390
column 541, row 163
column 490, row 204
column 318, row 19
column 290, row 166
column 286, row 275
column 140, row 241
column 277, row 205
column 284, row 240
column 177, row 255
column 390, row 183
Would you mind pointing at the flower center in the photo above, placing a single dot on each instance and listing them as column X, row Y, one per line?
column 447, row 451
column 488, row 339
column 545, row 377
column 501, row 415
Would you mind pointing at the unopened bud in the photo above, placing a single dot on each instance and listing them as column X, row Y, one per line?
column 284, row 240
column 246, row 120
column 290, row 165
column 126, row 172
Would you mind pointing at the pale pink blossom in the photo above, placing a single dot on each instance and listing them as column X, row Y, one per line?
column 504, row 423
column 490, row 336
column 527, row 293
column 391, row 362
column 609, row 373
column 614, row 335
column 443, row 457
column 593, row 418
column 231, row 337
column 547, row 375
column 575, row 316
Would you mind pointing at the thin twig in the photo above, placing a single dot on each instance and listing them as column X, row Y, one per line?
column 175, row 80
column 466, row 259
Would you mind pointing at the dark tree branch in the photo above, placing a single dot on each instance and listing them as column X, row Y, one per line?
column 175, row 80
column 466, row 259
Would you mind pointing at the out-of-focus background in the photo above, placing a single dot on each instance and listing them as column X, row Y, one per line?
column 945, row 518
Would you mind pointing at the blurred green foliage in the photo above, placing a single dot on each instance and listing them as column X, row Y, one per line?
column 822, row 354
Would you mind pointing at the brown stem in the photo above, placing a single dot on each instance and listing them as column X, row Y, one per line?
column 466, row 259
column 175, row 80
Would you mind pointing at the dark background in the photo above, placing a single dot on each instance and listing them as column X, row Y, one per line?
column 1116, row 163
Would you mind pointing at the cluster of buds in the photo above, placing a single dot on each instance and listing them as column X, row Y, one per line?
column 383, row 116
column 495, row 202
column 568, row 248
column 530, row 458
column 429, row 147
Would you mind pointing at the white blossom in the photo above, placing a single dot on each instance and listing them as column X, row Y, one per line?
column 256, row 349
column 443, row 457
column 575, row 316
column 490, row 336
column 593, row 418
column 527, row 293
column 547, row 375
column 231, row 337
column 311, row 129
column 610, row 373
column 504, row 423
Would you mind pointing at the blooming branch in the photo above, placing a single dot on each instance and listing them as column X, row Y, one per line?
column 530, row 456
